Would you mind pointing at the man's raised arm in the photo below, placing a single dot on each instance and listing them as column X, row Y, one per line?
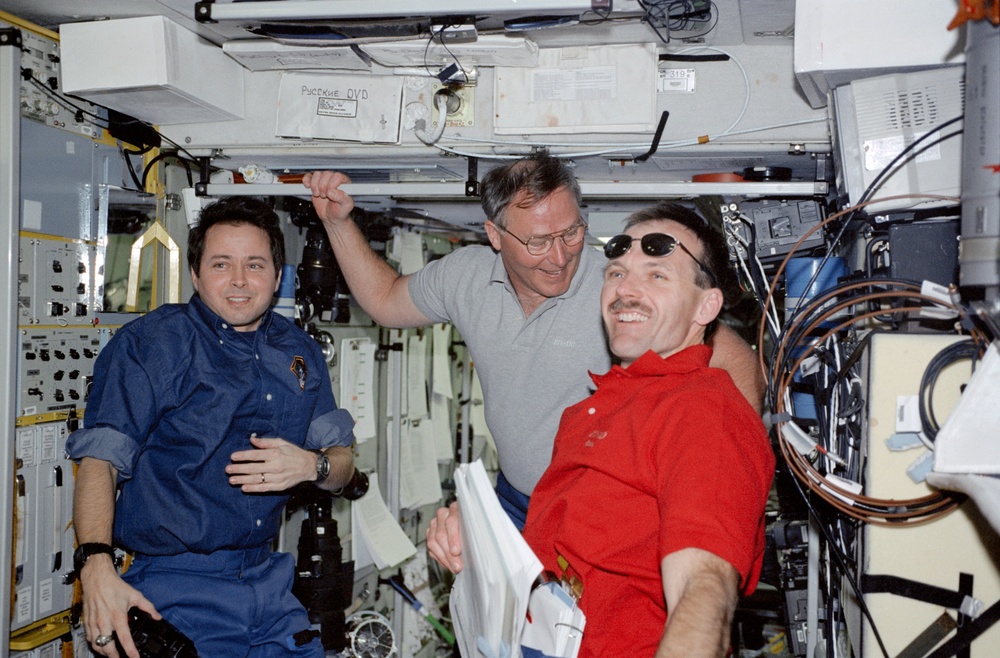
column 735, row 356
column 377, row 287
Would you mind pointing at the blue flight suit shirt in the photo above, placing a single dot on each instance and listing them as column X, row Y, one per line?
column 175, row 393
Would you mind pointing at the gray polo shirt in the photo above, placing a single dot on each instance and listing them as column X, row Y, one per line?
column 531, row 369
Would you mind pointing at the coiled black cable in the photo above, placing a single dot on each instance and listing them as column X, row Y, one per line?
column 959, row 351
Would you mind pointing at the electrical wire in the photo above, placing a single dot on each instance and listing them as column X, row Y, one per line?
column 900, row 159
column 746, row 83
column 162, row 155
column 139, row 184
column 420, row 128
column 754, row 278
column 430, row 40
column 757, row 272
column 842, row 563
column 63, row 100
column 784, row 263
column 864, row 508
column 692, row 17
column 602, row 17
column 666, row 16
column 907, row 153
column 655, row 14
column 964, row 350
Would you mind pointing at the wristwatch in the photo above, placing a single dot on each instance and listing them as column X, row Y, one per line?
column 322, row 466
column 84, row 551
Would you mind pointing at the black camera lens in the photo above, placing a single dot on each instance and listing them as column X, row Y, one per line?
column 156, row 638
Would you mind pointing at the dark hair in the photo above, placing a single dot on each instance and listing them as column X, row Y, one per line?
column 715, row 253
column 236, row 210
column 537, row 177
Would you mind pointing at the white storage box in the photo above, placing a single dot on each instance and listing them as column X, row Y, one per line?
column 152, row 69
column 838, row 41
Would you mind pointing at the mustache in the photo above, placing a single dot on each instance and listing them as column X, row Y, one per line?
column 628, row 305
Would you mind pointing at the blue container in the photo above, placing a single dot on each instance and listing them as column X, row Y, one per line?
column 797, row 276
column 798, row 273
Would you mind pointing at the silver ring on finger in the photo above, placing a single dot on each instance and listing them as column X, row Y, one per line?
column 103, row 640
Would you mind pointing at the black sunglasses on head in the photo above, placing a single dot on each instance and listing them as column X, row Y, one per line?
column 653, row 244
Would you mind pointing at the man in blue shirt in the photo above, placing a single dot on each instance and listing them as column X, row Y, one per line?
column 201, row 418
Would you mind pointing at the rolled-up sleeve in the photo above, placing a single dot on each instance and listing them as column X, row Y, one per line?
column 103, row 443
column 120, row 408
column 334, row 428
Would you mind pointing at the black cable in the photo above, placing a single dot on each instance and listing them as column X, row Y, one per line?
column 711, row 57
column 655, row 14
column 871, row 266
column 842, row 564
column 690, row 16
column 679, row 16
column 873, row 186
column 143, row 151
column 161, row 156
column 64, row 100
column 602, row 16
column 427, row 49
column 29, row 75
column 908, row 152
column 959, row 351
column 140, row 186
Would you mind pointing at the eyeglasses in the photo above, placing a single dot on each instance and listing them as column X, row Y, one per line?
column 653, row 244
column 539, row 245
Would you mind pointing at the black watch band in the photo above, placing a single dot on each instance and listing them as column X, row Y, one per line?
column 322, row 466
column 84, row 551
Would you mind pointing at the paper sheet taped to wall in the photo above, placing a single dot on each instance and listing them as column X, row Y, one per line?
column 598, row 89
column 376, row 536
column 357, row 108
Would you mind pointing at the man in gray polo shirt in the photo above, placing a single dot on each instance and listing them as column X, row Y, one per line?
column 528, row 308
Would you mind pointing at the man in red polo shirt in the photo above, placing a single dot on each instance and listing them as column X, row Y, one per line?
column 656, row 491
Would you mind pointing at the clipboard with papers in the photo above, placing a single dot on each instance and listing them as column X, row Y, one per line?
column 493, row 594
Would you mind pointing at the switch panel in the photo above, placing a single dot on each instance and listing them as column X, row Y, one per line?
column 56, row 369
column 60, row 282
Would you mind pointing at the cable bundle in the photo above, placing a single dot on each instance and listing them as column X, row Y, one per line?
column 827, row 467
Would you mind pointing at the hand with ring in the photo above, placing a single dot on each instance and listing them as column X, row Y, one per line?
column 103, row 640
column 270, row 464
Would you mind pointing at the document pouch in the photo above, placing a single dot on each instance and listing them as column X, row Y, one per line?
column 555, row 624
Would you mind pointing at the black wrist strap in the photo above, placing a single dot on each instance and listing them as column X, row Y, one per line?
column 94, row 548
column 84, row 552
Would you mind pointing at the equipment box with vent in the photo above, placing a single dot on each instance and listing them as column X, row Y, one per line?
column 877, row 118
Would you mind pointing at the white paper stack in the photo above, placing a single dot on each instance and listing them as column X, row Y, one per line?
column 490, row 599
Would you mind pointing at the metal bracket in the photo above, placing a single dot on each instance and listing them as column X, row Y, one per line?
column 472, row 181
column 203, row 11
column 382, row 351
column 10, row 36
